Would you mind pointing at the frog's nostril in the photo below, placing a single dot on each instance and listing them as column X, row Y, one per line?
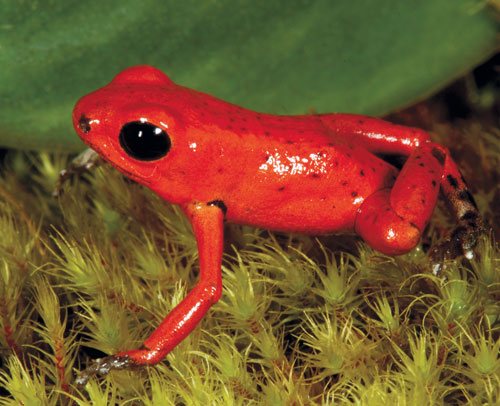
column 84, row 124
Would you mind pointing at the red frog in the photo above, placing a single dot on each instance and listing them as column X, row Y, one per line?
column 311, row 174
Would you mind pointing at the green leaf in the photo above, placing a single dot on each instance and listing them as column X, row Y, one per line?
column 274, row 56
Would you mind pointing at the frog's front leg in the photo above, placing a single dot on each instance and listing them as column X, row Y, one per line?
column 392, row 220
column 207, row 222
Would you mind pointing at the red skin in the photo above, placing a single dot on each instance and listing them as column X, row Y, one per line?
column 311, row 174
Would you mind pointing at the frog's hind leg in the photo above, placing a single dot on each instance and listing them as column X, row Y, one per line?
column 392, row 220
column 469, row 222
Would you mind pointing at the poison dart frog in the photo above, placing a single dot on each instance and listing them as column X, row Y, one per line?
column 311, row 174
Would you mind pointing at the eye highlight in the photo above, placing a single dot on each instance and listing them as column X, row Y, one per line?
column 144, row 141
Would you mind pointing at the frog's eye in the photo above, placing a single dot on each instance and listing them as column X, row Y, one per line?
column 144, row 141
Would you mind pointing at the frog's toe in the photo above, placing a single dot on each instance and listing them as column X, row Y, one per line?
column 102, row 366
column 462, row 241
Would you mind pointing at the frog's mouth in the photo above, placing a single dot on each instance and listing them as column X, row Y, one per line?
column 134, row 176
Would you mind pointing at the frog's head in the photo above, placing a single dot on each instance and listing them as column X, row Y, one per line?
column 130, row 125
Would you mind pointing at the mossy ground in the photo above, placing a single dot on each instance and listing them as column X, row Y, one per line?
column 301, row 321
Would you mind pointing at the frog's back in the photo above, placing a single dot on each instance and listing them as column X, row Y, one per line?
column 289, row 173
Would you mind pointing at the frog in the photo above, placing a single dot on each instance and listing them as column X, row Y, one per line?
column 307, row 174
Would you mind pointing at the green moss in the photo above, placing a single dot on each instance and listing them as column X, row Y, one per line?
column 301, row 320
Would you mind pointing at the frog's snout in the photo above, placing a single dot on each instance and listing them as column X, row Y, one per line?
column 81, row 121
column 84, row 124
column 85, row 118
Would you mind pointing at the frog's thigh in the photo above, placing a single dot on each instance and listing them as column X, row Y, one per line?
column 392, row 220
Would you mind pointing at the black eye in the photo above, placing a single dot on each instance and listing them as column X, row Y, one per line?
column 144, row 141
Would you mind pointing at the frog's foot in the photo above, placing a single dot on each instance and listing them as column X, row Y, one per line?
column 85, row 161
column 461, row 241
column 125, row 360
column 102, row 366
